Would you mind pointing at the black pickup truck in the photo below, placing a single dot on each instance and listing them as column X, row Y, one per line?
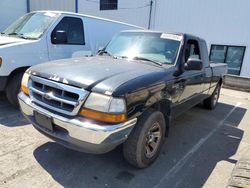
column 127, row 94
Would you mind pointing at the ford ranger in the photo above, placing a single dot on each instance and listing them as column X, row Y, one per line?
column 127, row 94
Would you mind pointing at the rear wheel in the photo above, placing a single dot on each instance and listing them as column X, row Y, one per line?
column 144, row 143
column 13, row 88
column 211, row 102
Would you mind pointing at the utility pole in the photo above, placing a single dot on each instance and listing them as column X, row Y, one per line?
column 150, row 13
column 28, row 5
column 76, row 6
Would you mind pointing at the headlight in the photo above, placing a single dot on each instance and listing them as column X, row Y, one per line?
column 104, row 108
column 24, row 84
column 104, row 103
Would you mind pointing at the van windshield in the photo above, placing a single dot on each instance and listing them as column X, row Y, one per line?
column 31, row 26
column 160, row 48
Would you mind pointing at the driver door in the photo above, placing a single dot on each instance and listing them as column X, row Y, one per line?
column 75, row 38
column 192, row 80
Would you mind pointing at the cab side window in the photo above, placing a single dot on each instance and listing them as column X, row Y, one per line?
column 192, row 50
column 73, row 27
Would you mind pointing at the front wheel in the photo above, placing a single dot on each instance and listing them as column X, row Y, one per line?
column 13, row 88
column 145, row 141
column 211, row 102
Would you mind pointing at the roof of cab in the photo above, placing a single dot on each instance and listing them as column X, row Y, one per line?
column 173, row 33
column 88, row 16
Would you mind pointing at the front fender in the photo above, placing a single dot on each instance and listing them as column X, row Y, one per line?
column 22, row 54
column 140, row 101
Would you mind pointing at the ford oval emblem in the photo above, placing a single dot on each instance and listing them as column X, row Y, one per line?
column 47, row 96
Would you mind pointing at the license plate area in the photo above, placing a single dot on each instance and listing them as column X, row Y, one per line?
column 44, row 121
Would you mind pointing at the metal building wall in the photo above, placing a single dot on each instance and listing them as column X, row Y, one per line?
column 130, row 11
column 63, row 5
column 10, row 11
column 223, row 22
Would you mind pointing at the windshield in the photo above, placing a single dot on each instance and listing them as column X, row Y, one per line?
column 156, row 47
column 31, row 26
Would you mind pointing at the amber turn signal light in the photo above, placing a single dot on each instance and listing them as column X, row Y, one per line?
column 24, row 89
column 102, row 116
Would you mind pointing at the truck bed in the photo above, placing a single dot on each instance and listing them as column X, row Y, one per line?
column 218, row 69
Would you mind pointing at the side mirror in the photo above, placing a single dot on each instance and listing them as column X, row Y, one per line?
column 193, row 64
column 60, row 37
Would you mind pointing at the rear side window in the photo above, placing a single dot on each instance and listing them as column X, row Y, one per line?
column 73, row 28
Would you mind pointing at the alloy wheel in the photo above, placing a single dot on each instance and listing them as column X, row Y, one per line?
column 153, row 139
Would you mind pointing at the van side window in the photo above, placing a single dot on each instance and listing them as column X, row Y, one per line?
column 73, row 27
column 192, row 50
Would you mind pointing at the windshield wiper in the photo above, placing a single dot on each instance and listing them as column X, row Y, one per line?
column 14, row 33
column 149, row 60
column 26, row 37
column 106, row 52
column 21, row 35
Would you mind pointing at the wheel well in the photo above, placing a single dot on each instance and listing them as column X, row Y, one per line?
column 164, row 107
column 16, row 71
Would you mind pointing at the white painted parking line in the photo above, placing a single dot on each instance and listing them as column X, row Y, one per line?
column 195, row 148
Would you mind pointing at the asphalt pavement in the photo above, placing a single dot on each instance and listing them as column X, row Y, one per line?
column 201, row 151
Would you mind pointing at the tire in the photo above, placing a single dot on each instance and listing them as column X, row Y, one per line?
column 134, row 149
column 13, row 88
column 211, row 102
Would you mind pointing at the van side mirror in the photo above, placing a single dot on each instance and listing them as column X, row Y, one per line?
column 193, row 64
column 60, row 37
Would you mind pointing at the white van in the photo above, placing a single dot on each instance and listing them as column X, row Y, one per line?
column 43, row 36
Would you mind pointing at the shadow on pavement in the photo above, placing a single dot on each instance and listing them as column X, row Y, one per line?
column 74, row 169
column 9, row 115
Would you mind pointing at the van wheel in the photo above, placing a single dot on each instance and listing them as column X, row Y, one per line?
column 145, row 141
column 13, row 88
column 211, row 102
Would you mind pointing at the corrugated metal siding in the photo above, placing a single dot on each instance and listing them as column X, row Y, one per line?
column 219, row 22
column 131, row 11
column 63, row 5
column 207, row 18
column 10, row 11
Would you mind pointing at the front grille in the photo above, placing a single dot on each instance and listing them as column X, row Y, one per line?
column 56, row 96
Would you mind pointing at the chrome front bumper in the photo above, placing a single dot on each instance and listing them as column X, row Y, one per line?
column 77, row 132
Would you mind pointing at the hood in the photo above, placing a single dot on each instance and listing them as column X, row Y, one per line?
column 100, row 74
column 9, row 40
